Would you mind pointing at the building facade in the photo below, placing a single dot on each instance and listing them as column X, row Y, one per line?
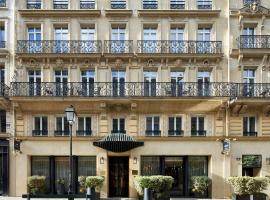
column 185, row 82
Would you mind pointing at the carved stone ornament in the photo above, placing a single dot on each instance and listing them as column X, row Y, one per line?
column 255, row 8
column 59, row 62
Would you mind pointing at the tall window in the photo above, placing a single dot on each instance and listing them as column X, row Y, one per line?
column 34, row 37
column 60, row 4
column 197, row 126
column 204, row 4
column 150, row 165
column 2, row 81
column 62, row 126
column 118, row 37
column 61, row 40
column 204, row 40
column 177, row 78
column 118, row 79
column 62, row 170
column 86, row 166
column 3, row 121
column 34, row 78
column 249, row 40
column 118, row 4
column 88, row 33
column 61, row 79
column 88, row 43
column 177, row 4
column 177, row 37
column 152, row 126
column 150, row 4
column 204, row 83
column 249, row 126
column 175, row 126
column 33, row 4
column 88, row 81
column 249, row 82
column 150, row 44
column 87, row 4
column 118, row 125
column 84, row 126
column 40, row 166
column 2, row 37
column 150, row 83
column 40, row 126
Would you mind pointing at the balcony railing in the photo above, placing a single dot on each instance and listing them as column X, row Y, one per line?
column 153, row 133
column 150, row 4
column 118, row 4
column 179, row 47
column 61, row 47
column 61, row 133
column 198, row 133
column 3, row 3
column 118, row 131
column 250, row 134
column 2, row 44
column 175, row 133
column 33, row 5
column 254, row 42
column 118, row 46
column 60, row 6
column 248, row 2
column 84, row 132
column 39, row 133
column 4, row 90
column 87, row 4
column 204, row 4
column 177, row 4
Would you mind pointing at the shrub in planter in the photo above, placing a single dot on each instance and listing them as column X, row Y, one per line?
column 60, row 189
column 200, row 185
column 94, row 182
column 160, row 185
column 82, row 180
column 245, row 186
column 36, row 184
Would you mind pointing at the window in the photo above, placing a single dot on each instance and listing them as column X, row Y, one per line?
column 197, row 126
column 118, row 79
column 249, row 126
column 150, row 43
column 88, row 81
column 33, row 4
column 88, row 43
column 34, row 37
column 40, row 166
column 118, row 38
column 204, row 85
column 118, row 4
column 2, row 37
column 204, row 40
column 249, row 40
column 88, row 33
column 177, row 84
column 61, row 40
column 247, row 2
column 152, row 126
column 118, row 125
column 34, row 79
column 87, row 4
column 177, row 4
column 62, row 170
column 249, row 82
column 3, row 121
column 40, row 126
column 150, row 83
column 62, row 127
column 84, row 126
column 150, row 165
column 177, row 40
column 150, row 4
column 204, row 4
column 86, row 166
column 61, row 79
column 251, row 165
column 60, row 4
column 3, row 3
column 175, row 126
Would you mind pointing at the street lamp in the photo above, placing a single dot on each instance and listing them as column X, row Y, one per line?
column 71, row 116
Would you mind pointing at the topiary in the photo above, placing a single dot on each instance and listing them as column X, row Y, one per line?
column 200, row 184
column 94, row 182
column 36, row 184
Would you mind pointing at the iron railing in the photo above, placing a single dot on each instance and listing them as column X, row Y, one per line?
column 61, row 47
column 250, row 134
column 153, row 133
column 61, row 133
column 204, row 4
column 248, row 2
column 254, row 41
column 2, row 44
column 179, row 47
column 33, row 4
column 87, row 4
column 118, row 131
column 60, row 6
column 118, row 46
column 39, row 133
column 177, row 4
column 118, row 4
column 84, row 132
column 150, row 4
column 3, row 3
column 175, row 133
column 198, row 133
column 4, row 90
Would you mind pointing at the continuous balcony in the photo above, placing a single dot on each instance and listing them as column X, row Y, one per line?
column 118, row 46
column 59, row 47
column 179, row 47
column 254, row 42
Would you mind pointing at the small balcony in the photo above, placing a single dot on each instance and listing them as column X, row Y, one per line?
column 61, row 133
column 179, row 47
column 118, row 4
column 59, row 47
column 83, row 133
column 175, row 133
column 250, row 134
column 118, row 46
column 2, row 44
column 153, row 133
column 37, row 133
column 254, row 42
column 118, row 131
column 198, row 133
column 3, row 3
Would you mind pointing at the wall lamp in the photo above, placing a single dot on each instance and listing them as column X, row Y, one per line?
column 135, row 160
column 101, row 160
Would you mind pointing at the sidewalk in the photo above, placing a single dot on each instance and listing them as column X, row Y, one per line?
column 19, row 198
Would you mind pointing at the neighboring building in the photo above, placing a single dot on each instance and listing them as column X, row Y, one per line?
column 175, row 79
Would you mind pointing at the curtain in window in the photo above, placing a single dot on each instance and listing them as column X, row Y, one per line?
column 62, row 170
column 150, row 166
column 41, row 167
column 86, row 166
column 197, row 166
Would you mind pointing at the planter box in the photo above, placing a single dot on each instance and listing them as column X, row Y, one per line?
column 249, row 197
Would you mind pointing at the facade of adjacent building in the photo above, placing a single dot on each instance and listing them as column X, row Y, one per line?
column 161, row 87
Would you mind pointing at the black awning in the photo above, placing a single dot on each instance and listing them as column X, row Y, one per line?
column 118, row 143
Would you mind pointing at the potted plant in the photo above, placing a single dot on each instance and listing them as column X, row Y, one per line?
column 200, row 185
column 60, row 189
column 249, row 188
column 36, row 184
column 94, row 184
column 82, row 180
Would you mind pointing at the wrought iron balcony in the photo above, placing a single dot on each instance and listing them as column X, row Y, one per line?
column 39, row 132
column 204, row 4
column 2, row 44
column 84, row 132
column 4, row 90
column 118, row 4
column 198, row 133
column 33, row 5
column 118, row 131
column 118, row 46
column 254, row 42
column 60, row 133
column 250, row 134
column 59, row 47
column 153, row 133
column 3, row 3
column 179, row 47
column 175, row 133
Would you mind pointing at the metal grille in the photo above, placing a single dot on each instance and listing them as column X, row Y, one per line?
column 150, row 4
column 118, row 4
column 33, row 4
column 60, row 4
column 87, row 4
column 254, row 41
column 118, row 46
column 177, row 4
column 204, row 4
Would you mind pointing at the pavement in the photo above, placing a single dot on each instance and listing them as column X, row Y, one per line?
column 19, row 198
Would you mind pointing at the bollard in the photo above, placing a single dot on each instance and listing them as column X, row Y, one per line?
column 147, row 195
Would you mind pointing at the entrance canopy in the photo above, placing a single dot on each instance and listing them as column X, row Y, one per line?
column 118, row 142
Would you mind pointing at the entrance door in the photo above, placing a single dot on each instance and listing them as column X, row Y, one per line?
column 118, row 176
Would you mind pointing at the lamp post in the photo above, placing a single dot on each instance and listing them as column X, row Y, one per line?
column 70, row 115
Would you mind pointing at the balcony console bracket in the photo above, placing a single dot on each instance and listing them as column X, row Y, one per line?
column 238, row 109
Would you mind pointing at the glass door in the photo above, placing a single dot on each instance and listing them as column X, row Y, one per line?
column 88, row 81
column 150, row 83
column 150, row 40
column 249, row 82
column 177, row 44
column 34, row 37
column 204, row 83
column 249, row 37
column 177, row 79
column 61, row 40
column 118, row 40
column 34, row 79
column 118, row 79
column 87, row 40
column 204, row 38
column 61, row 79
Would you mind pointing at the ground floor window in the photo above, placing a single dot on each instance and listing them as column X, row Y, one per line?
column 251, row 165
column 181, row 168
column 55, row 168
